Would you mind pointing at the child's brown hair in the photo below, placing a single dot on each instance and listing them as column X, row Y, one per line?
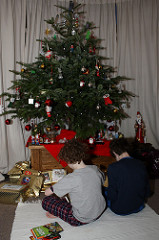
column 73, row 151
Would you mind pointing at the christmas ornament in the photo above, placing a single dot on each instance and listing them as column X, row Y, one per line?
column 48, row 129
column 98, row 107
column 48, row 31
column 115, row 110
column 88, row 34
column 7, row 121
column 82, row 83
column 73, row 32
column 111, row 128
column 28, row 127
column 57, row 127
column 54, row 37
column 48, row 107
column 42, row 66
column 107, row 100
column 30, row 101
column 90, row 84
column 68, row 104
column 48, row 54
column 86, row 72
column 32, row 71
column 60, row 73
column 71, row 48
column 37, row 104
column 51, row 80
column 22, row 70
column 83, row 69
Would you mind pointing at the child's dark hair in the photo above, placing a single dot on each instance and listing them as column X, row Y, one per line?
column 119, row 146
column 73, row 151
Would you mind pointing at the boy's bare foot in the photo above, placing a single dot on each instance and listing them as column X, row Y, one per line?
column 49, row 215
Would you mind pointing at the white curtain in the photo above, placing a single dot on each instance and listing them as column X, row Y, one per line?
column 137, row 58
column 132, row 48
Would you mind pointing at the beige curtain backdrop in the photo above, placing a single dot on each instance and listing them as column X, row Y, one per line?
column 131, row 46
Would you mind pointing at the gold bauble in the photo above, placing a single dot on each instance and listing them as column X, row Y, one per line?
column 42, row 65
column 48, row 129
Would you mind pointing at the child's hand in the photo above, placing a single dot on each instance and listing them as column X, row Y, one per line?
column 48, row 192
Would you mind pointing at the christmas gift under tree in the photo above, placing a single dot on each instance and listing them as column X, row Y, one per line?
column 69, row 84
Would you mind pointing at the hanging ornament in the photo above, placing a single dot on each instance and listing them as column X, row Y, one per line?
column 107, row 100
column 88, row 34
column 22, row 70
column 83, row 69
column 71, row 48
column 51, row 80
column 73, row 32
column 82, row 83
column 111, row 128
column 42, row 66
column 76, row 23
column 37, row 104
column 7, row 121
column 86, row 72
column 60, row 73
column 17, row 93
column 48, row 31
column 48, row 54
column 57, row 127
column 90, row 84
column 115, row 110
column 30, row 100
column 28, row 127
column 68, row 104
column 48, row 107
column 98, row 107
column 48, row 129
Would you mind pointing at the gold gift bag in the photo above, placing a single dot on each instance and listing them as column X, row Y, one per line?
column 11, row 193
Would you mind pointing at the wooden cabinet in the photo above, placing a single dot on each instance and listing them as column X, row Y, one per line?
column 42, row 160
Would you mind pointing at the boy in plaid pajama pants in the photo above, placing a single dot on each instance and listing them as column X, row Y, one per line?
column 83, row 185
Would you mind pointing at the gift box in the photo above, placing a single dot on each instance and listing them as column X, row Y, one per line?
column 11, row 193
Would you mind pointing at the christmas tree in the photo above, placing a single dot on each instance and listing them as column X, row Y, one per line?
column 68, row 84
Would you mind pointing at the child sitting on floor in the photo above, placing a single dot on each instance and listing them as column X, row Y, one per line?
column 83, row 185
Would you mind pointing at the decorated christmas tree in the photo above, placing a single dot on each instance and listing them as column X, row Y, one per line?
column 68, row 84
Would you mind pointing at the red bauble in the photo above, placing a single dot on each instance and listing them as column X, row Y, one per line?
column 68, row 104
column 57, row 127
column 7, row 121
column 48, row 102
column 28, row 127
column 111, row 128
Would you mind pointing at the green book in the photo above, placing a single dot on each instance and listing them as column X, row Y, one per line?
column 49, row 229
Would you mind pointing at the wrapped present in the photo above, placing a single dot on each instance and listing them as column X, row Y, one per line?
column 12, row 193
column 34, row 180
